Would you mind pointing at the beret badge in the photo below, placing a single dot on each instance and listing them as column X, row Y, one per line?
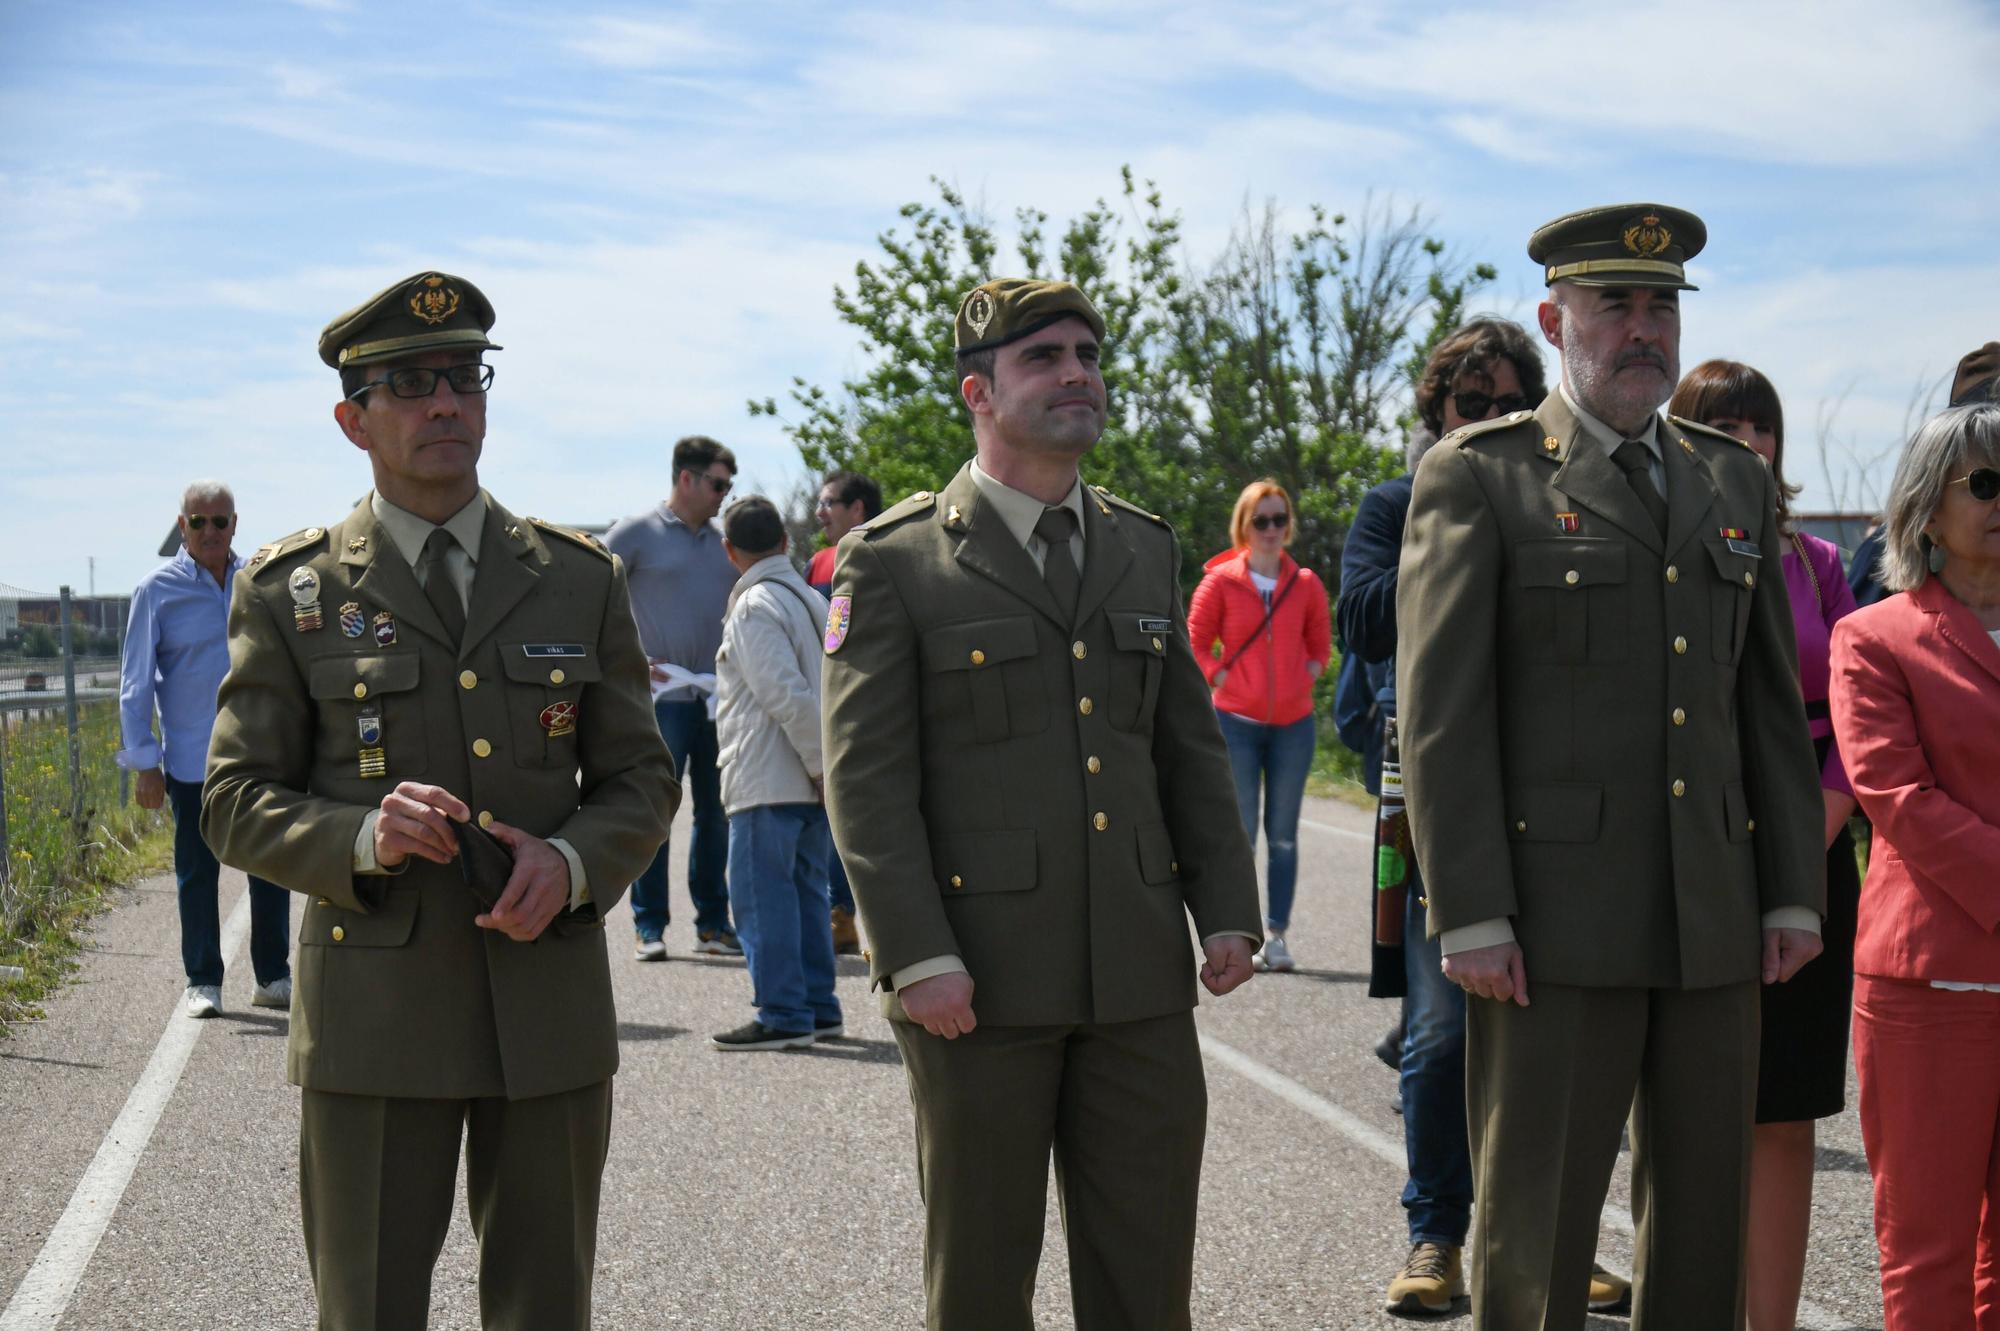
column 979, row 312
column 434, row 302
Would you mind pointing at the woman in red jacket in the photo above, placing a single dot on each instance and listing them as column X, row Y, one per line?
column 1916, row 707
column 1261, row 632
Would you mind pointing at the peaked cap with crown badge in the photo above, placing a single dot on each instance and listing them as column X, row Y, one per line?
column 1620, row 245
column 424, row 312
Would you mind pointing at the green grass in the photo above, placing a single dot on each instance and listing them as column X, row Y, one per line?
column 58, row 866
column 1336, row 770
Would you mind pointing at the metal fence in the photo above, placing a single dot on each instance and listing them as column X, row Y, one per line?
column 59, row 782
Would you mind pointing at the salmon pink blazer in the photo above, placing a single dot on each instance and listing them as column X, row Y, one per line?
column 1916, row 709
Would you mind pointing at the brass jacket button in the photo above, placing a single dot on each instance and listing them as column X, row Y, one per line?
column 360, row 690
column 957, row 882
column 1572, row 577
column 1092, row 766
column 1680, row 787
column 338, row 933
column 556, row 676
column 978, row 657
column 1680, row 646
column 1673, row 573
column 482, row 749
column 1680, row 716
column 1084, row 705
column 1100, row 822
column 1078, row 650
column 467, row 680
column 486, row 817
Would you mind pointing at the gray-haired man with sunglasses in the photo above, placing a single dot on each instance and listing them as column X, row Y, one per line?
column 176, row 653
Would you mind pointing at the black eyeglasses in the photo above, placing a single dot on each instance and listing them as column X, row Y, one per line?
column 720, row 484
column 197, row 521
column 413, row 382
column 1266, row 521
column 1984, row 482
column 1474, row 406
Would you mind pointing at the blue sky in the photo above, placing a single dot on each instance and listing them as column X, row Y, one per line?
column 659, row 200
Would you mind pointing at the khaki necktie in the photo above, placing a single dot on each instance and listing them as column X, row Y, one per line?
column 1635, row 458
column 438, row 588
column 1058, row 564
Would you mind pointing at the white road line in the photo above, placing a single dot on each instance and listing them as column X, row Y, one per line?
column 44, row 1293
column 1390, row 1150
column 1337, row 831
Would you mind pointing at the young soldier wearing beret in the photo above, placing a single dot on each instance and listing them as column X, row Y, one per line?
column 1022, row 775
column 429, row 661
column 1611, row 787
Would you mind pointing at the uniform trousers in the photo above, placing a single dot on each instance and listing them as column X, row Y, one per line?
column 1122, row 1105
column 1928, row 1062
column 376, row 1178
column 1548, row 1088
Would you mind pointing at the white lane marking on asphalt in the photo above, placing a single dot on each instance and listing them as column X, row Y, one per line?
column 44, row 1293
column 1336, row 831
column 1390, row 1149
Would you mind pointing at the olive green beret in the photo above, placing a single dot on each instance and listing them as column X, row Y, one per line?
column 1623, row 245
column 420, row 313
column 1009, row 308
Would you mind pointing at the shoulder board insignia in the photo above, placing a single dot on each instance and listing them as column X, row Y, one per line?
column 1130, row 507
column 1713, row 434
column 1466, row 433
column 268, row 556
column 923, row 501
column 573, row 536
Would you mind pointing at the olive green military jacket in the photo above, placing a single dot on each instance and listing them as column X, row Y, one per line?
column 1602, row 734
column 540, row 720
column 1049, row 801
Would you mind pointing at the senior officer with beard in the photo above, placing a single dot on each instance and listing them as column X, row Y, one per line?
column 429, row 661
column 1023, row 776
column 1611, row 788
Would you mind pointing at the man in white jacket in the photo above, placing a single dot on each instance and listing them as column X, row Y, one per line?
column 768, row 733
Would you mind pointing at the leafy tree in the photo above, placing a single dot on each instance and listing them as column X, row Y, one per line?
column 1289, row 355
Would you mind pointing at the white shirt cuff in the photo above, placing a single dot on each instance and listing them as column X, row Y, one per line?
column 924, row 970
column 579, row 886
column 1803, row 918
column 1486, row 933
column 364, row 845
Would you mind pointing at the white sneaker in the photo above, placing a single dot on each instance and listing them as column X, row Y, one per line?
column 1275, row 956
column 650, row 949
column 277, row 994
column 203, row 1000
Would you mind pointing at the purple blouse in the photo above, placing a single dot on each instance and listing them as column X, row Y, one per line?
column 1813, row 617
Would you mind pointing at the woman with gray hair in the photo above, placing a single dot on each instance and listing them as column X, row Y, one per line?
column 1916, row 707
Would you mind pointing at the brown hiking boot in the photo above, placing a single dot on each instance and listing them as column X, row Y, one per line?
column 1428, row 1282
column 846, row 941
column 1609, row 1293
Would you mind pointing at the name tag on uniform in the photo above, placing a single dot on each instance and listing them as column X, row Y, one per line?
column 1156, row 626
column 1745, row 548
column 536, row 649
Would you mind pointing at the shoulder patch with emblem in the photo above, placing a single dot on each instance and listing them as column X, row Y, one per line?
column 573, row 536
column 923, row 501
column 270, row 556
column 839, row 617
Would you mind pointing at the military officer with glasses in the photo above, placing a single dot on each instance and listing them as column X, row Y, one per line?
column 428, row 666
column 1611, row 787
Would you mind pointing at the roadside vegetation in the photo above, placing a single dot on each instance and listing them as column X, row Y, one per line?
column 63, row 850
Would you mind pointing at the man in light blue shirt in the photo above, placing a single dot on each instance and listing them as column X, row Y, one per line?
column 176, row 653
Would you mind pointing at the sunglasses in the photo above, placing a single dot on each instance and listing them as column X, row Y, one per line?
column 1984, row 482
column 1266, row 521
column 720, row 484
column 1474, row 406
column 197, row 521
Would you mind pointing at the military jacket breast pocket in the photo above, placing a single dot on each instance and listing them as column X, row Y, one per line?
column 981, row 675
column 1140, row 639
column 371, row 719
column 545, row 698
column 1735, row 583
column 1574, row 600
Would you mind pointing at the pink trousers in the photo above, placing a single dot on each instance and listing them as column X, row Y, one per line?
column 1929, row 1067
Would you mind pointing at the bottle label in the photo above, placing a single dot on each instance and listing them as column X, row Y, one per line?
column 1390, row 868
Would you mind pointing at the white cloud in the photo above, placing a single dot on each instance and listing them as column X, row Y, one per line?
column 644, row 44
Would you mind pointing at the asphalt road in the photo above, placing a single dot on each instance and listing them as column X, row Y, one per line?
column 766, row 1191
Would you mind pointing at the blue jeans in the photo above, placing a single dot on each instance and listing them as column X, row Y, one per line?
column 838, row 888
column 1281, row 756
column 1438, row 1196
column 200, row 878
column 777, row 885
column 690, row 738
